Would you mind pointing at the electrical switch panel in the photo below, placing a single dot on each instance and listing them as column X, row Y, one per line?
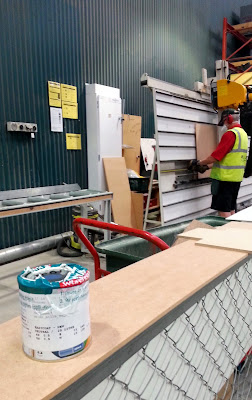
column 28, row 127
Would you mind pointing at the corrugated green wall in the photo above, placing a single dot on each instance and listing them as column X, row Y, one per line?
column 111, row 42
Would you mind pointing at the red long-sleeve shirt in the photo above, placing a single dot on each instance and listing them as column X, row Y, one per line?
column 226, row 144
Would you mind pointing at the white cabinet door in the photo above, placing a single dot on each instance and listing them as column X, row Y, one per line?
column 104, row 132
column 110, row 133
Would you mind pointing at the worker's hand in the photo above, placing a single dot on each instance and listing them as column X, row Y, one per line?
column 202, row 168
column 195, row 166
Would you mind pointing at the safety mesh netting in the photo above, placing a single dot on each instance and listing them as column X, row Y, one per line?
column 204, row 354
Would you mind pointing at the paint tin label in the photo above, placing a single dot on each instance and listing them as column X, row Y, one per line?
column 56, row 325
column 56, row 355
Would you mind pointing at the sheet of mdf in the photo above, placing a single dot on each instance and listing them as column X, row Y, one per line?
column 235, row 225
column 118, row 183
column 206, row 143
column 132, row 137
column 234, row 239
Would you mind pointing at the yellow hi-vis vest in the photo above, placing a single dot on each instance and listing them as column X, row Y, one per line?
column 231, row 167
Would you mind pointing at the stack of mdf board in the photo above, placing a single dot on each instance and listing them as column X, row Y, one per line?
column 193, row 225
column 126, row 205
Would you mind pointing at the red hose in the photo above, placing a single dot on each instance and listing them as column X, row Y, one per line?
column 116, row 228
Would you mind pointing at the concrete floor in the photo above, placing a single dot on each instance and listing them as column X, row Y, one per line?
column 9, row 303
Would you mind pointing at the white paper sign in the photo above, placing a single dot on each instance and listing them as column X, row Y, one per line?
column 56, row 119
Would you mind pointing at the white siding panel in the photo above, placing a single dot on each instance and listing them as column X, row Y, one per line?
column 176, row 139
column 175, row 118
column 178, row 196
column 166, row 181
column 174, row 125
column 189, row 217
column 247, row 181
column 244, row 198
column 245, row 190
column 169, row 165
column 166, row 98
column 186, row 208
column 176, row 153
column 189, row 114
column 182, row 209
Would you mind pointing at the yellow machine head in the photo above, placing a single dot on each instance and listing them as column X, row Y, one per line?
column 231, row 94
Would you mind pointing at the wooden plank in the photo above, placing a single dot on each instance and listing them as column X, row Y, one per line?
column 198, row 233
column 52, row 206
column 132, row 125
column 239, row 63
column 246, row 27
column 121, row 307
column 137, row 206
column 118, row 183
column 206, row 143
column 235, row 225
column 243, row 79
column 227, row 243
column 238, row 239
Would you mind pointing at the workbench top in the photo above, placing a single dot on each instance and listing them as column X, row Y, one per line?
column 122, row 305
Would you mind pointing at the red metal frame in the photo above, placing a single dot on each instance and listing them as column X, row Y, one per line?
column 247, row 354
column 227, row 28
column 244, row 72
column 115, row 228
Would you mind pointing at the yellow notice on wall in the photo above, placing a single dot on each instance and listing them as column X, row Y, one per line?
column 69, row 93
column 73, row 141
column 69, row 110
column 54, row 94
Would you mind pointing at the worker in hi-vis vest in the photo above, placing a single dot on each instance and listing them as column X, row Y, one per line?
column 228, row 164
